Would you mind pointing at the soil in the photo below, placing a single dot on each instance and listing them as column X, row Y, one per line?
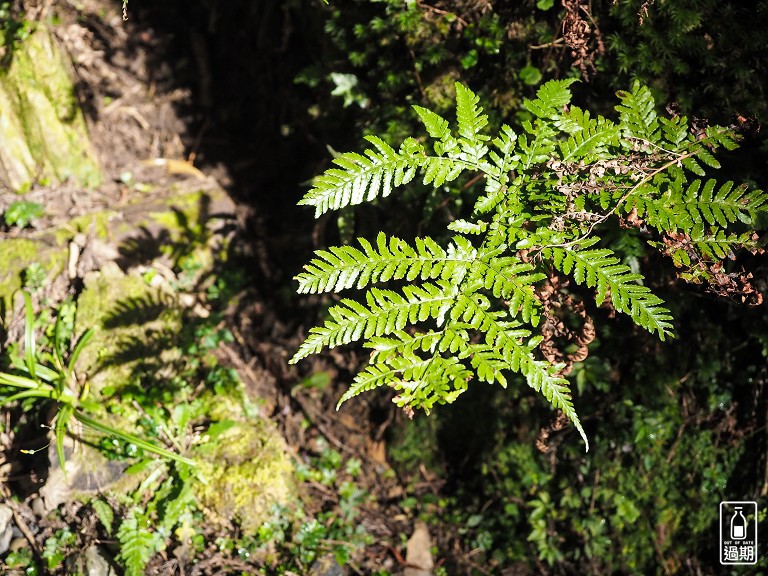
column 150, row 120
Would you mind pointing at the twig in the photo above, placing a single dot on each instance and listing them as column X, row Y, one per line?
column 556, row 42
column 459, row 19
column 192, row 156
column 418, row 76
column 22, row 525
column 675, row 443
column 474, row 180
column 594, row 491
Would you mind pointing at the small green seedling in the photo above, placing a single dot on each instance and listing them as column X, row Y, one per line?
column 49, row 376
column 22, row 213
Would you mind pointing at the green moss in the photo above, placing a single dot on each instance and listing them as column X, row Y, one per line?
column 442, row 91
column 182, row 212
column 221, row 408
column 113, row 304
column 99, row 223
column 42, row 128
column 17, row 254
column 247, row 471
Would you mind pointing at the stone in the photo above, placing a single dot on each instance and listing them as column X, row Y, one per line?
column 93, row 562
column 327, row 566
column 6, row 530
column 418, row 554
column 88, row 472
column 246, row 471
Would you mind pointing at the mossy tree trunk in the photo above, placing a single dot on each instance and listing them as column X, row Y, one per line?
column 43, row 135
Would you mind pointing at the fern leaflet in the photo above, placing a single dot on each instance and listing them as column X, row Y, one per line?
column 386, row 311
column 346, row 267
column 600, row 268
column 637, row 112
column 137, row 544
column 363, row 177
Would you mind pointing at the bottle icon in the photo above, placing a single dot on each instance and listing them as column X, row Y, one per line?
column 738, row 525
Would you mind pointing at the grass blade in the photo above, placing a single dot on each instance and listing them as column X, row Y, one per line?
column 25, row 394
column 148, row 446
column 58, row 353
column 81, row 343
column 60, row 431
column 20, row 381
column 29, row 334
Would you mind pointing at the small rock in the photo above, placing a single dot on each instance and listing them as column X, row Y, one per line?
column 93, row 562
column 6, row 531
column 96, row 563
column 327, row 566
column 18, row 543
column 418, row 553
column 88, row 471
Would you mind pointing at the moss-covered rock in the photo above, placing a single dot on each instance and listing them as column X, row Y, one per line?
column 117, row 306
column 247, row 472
column 42, row 129
column 18, row 253
column 179, row 216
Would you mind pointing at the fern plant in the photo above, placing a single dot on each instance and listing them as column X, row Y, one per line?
column 470, row 309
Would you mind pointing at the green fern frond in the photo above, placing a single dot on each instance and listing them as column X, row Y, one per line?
column 489, row 365
column 385, row 311
column 438, row 170
column 693, row 166
column 592, row 138
column 137, row 544
column 436, row 125
column 719, row 136
column 557, row 391
column 506, row 160
column 551, row 99
column 373, row 376
column 721, row 208
column 402, row 343
column 637, row 112
column 465, row 227
column 508, row 278
column 471, row 122
column 662, row 212
column 363, row 177
column 421, row 382
column 705, row 156
column 718, row 245
column 675, row 130
column 429, row 381
column 473, row 311
column 541, row 146
column 681, row 208
column 345, row 267
column 507, row 338
column 104, row 513
column 601, row 269
column 495, row 192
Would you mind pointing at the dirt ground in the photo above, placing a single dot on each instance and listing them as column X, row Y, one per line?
column 147, row 127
